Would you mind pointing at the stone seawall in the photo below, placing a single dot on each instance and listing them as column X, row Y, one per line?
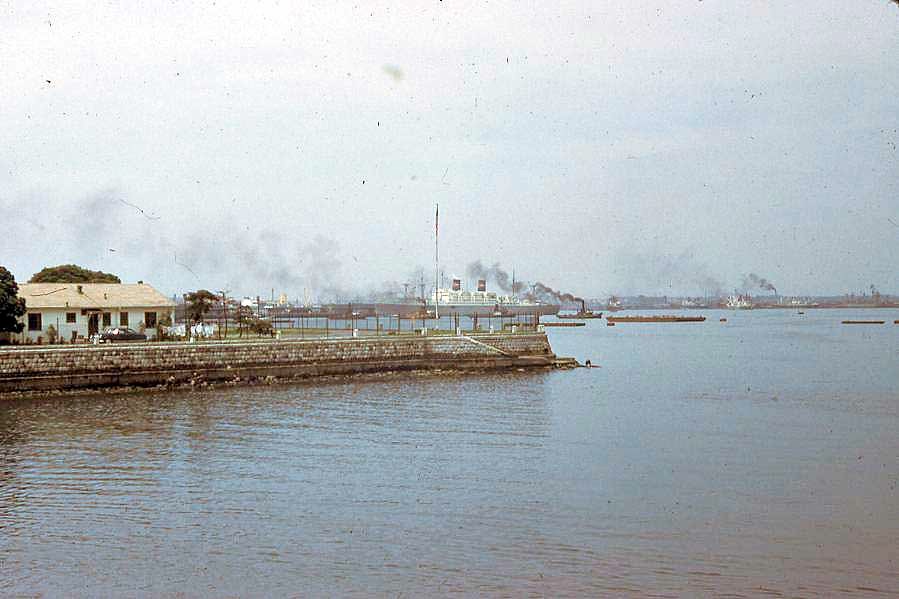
column 79, row 367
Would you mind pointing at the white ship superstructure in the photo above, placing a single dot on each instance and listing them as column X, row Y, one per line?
column 456, row 296
column 456, row 299
column 452, row 297
column 739, row 302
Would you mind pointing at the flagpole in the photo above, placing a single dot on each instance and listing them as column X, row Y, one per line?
column 436, row 265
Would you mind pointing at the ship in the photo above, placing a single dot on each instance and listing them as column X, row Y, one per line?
column 481, row 302
column 655, row 318
column 582, row 314
column 614, row 304
column 739, row 302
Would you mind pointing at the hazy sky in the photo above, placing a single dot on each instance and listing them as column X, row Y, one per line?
column 600, row 147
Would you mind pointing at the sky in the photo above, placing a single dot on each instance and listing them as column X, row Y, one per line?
column 613, row 147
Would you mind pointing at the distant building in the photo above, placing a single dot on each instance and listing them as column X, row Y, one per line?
column 84, row 309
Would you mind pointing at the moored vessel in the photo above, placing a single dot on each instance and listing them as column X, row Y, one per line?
column 656, row 318
column 481, row 302
column 614, row 304
column 739, row 302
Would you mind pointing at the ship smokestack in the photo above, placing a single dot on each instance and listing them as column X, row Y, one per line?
column 457, row 284
column 482, row 284
column 583, row 307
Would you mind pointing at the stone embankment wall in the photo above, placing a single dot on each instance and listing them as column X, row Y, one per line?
column 73, row 367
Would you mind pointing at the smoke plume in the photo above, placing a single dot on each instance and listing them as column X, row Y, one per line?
column 753, row 281
column 663, row 271
column 543, row 292
column 476, row 270
column 108, row 230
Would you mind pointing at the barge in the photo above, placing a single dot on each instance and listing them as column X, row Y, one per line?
column 656, row 318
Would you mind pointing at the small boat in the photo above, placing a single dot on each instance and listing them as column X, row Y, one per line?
column 656, row 318
column 582, row 314
column 864, row 322
column 614, row 304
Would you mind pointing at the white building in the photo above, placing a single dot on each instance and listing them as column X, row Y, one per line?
column 83, row 309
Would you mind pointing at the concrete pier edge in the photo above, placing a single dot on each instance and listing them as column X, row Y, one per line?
column 73, row 368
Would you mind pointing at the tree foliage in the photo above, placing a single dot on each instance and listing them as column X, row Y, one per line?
column 199, row 303
column 260, row 327
column 12, row 307
column 244, row 316
column 72, row 273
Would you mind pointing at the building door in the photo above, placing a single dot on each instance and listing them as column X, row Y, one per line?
column 93, row 324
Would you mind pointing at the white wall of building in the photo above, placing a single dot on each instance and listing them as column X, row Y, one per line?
column 58, row 318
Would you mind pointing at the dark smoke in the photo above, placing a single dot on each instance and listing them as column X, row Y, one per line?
column 501, row 278
column 476, row 270
column 666, row 272
column 753, row 281
column 542, row 291
column 107, row 230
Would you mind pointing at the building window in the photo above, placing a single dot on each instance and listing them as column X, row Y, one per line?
column 107, row 319
column 70, row 318
column 150, row 319
column 123, row 319
column 34, row 322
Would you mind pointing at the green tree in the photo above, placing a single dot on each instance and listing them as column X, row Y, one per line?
column 260, row 327
column 72, row 273
column 162, row 326
column 244, row 317
column 12, row 307
column 199, row 303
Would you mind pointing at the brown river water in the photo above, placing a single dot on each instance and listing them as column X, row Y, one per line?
column 757, row 457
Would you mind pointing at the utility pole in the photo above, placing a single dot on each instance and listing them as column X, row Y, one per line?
column 436, row 265
column 224, row 295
